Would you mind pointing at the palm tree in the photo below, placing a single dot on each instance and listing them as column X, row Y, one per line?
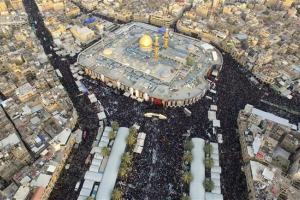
column 208, row 163
column 123, row 170
column 185, row 198
column 188, row 145
column 90, row 198
column 187, row 177
column 130, row 139
column 115, row 125
column 132, row 130
column 208, row 149
column 105, row 151
column 188, row 156
column 208, row 184
column 116, row 194
column 126, row 157
column 111, row 135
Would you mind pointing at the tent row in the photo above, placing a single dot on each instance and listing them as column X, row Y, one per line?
column 138, row 148
column 216, row 173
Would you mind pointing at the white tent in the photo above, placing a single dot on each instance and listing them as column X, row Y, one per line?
column 212, row 115
column 142, row 136
column 216, row 169
column 98, row 156
column 81, row 198
column 102, row 144
column 215, row 145
column 85, row 192
column 94, row 168
column 214, row 107
column 101, row 115
column 138, row 149
column 215, row 156
column 220, row 138
column 216, row 190
column 216, row 123
column 93, row 176
column 217, row 182
column 96, row 162
column 215, row 175
column 88, row 184
column 140, row 142
column 197, row 169
column 104, row 139
column 213, row 196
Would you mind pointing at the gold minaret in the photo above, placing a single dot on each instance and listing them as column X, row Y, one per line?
column 166, row 38
column 156, row 47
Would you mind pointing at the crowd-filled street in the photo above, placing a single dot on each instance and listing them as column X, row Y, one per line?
column 156, row 173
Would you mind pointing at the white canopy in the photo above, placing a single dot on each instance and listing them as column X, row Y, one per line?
column 138, row 149
column 212, row 115
column 197, row 169
column 101, row 115
column 88, row 184
column 140, row 142
column 216, row 190
column 215, row 175
column 216, row 169
column 111, row 171
column 142, row 136
column 93, row 176
column 98, row 156
column 96, row 162
column 94, row 168
column 104, row 139
column 214, row 107
column 85, row 192
column 102, row 144
column 216, row 123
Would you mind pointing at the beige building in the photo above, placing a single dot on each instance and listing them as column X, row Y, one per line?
column 159, row 19
column 3, row 7
column 82, row 33
column 89, row 4
column 71, row 10
column 17, row 4
column 266, row 159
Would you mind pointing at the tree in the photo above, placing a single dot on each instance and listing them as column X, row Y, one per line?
column 105, row 151
column 116, row 194
column 126, row 157
column 185, row 198
column 132, row 130
column 130, row 139
column 123, row 170
column 115, row 125
column 208, row 163
column 208, row 184
column 188, row 145
column 111, row 135
column 208, row 149
column 188, row 157
column 187, row 177
column 90, row 198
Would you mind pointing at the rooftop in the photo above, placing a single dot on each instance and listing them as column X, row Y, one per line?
column 120, row 58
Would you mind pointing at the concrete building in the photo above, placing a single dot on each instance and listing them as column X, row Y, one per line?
column 82, row 33
column 16, row 4
column 71, row 10
column 267, row 143
column 3, row 6
column 89, row 4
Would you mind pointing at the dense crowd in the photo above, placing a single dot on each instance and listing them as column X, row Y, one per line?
column 157, row 171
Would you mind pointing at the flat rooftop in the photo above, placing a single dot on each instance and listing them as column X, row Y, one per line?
column 119, row 57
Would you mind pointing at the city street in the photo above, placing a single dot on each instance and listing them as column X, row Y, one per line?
column 156, row 172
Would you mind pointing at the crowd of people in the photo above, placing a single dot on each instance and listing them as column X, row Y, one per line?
column 156, row 172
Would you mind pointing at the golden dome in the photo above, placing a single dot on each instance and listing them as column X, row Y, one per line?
column 146, row 41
